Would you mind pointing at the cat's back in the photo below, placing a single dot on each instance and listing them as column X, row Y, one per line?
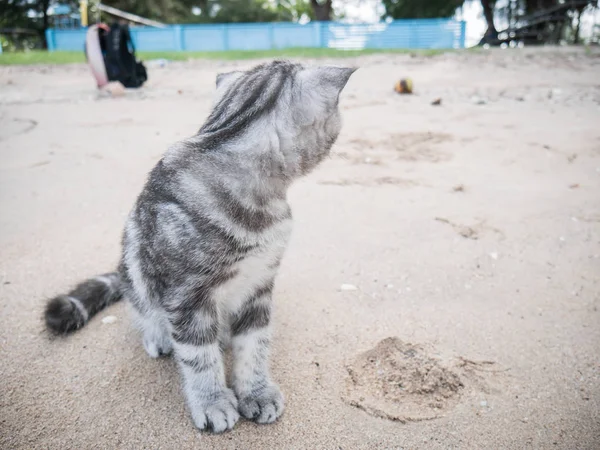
column 211, row 196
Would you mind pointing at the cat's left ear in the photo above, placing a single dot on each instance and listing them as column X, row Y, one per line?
column 327, row 79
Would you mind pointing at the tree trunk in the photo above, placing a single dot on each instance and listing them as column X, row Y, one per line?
column 322, row 10
column 45, row 21
column 203, row 5
column 488, row 12
column 578, row 29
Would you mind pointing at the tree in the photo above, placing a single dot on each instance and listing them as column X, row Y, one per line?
column 536, row 21
column 323, row 10
column 14, row 14
column 488, row 13
column 166, row 11
column 297, row 8
column 30, row 15
column 232, row 11
column 420, row 9
column 214, row 11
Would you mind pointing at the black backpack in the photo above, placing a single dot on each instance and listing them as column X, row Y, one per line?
column 119, row 57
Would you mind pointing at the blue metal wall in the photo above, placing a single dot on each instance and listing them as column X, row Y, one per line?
column 414, row 34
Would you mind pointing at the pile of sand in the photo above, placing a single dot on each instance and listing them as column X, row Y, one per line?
column 398, row 381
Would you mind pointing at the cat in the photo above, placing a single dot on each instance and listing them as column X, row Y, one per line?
column 204, row 241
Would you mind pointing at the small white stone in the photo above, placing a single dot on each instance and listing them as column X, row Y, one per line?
column 478, row 100
column 483, row 403
column 494, row 255
column 348, row 287
column 562, row 239
column 389, row 286
column 109, row 319
column 555, row 92
column 574, row 219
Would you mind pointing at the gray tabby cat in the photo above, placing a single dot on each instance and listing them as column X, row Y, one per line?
column 204, row 240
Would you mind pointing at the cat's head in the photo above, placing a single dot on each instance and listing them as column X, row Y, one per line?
column 291, row 107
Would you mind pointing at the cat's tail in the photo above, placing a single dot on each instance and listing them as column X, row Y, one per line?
column 69, row 312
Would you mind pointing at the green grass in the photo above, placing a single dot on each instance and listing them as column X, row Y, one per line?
column 44, row 57
column 41, row 57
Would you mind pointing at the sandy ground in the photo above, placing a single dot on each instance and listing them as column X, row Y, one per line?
column 470, row 231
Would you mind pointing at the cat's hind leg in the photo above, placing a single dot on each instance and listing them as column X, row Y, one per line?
column 147, row 316
column 155, row 329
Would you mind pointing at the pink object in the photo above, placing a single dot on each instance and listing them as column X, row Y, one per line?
column 94, row 55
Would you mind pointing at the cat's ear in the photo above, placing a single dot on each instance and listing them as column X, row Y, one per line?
column 329, row 80
column 221, row 77
column 336, row 76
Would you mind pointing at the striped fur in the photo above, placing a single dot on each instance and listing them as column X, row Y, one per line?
column 69, row 312
column 203, row 243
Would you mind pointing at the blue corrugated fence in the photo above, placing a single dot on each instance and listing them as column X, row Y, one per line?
column 414, row 34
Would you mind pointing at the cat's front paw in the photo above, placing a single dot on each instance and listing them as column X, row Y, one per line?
column 217, row 414
column 263, row 405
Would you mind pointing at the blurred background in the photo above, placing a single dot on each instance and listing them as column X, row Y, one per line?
column 24, row 24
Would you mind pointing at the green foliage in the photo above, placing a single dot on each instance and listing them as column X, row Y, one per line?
column 215, row 11
column 239, row 11
column 13, row 13
column 248, row 11
column 30, row 15
column 298, row 8
column 166, row 11
column 420, row 9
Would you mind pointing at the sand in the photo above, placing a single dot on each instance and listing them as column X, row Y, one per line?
column 398, row 381
column 469, row 230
